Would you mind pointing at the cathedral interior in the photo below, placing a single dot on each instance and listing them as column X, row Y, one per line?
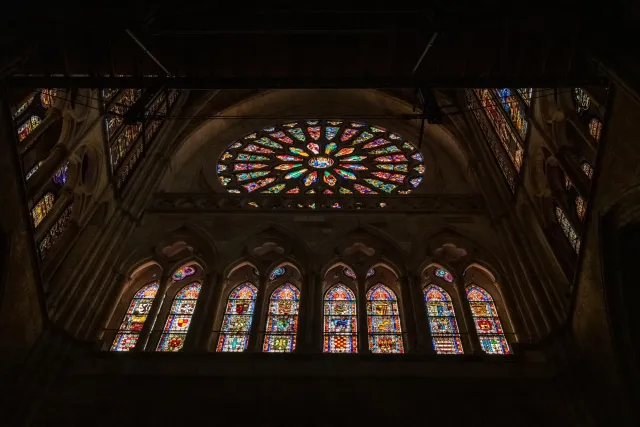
column 309, row 216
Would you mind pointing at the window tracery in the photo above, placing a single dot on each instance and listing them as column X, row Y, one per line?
column 595, row 128
column 179, row 318
column 135, row 317
column 42, row 208
column 567, row 228
column 321, row 157
column 383, row 321
column 340, row 320
column 445, row 335
column 487, row 321
column 236, row 324
column 581, row 99
column 56, row 230
column 282, row 320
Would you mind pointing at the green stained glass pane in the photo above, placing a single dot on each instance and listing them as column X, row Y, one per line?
column 381, row 185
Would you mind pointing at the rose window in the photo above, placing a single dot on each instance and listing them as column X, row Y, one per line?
column 321, row 157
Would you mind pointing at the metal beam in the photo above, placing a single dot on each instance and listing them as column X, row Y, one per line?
column 315, row 82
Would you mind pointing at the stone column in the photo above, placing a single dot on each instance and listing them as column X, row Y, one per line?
column 307, row 334
column 210, row 306
column 472, row 341
column 363, row 335
column 423, row 331
column 152, row 318
column 256, row 335
column 201, row 314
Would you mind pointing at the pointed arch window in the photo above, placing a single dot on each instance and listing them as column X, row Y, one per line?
column 595, row 128
column 442, row 321
column 567, row 229
column 487, row 321
column 179, row 319
column 282, row 320
column 383, row 321
column 133, row 322
column 42, row 208
column 236, row 325
column 340, row 320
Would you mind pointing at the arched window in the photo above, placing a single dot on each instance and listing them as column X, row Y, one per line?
column 383, row 321
column 582, row 100
column 134, row 319
column 321, row 157
column 442, row 321
column 42, row 208
column 595, row 128
column 587, row 169
column 487, row 321
column 27, row 127
column 567, row 229
column 179, row 319
column 340, row 320
column 282, row 321
column 236, row 325
column 56, row 230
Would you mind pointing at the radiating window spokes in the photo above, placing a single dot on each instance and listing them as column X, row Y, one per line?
column 179, row 318
column 340, row 320
column 383, row 321
column 487, row 321
column 135, row 317
column 442, row 321
column 282, row 320
column 236, row 325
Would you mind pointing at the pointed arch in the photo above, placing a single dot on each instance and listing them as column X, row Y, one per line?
column 135, row 317
column 282, row 320
column 487, row 321
column 340, row 320
column 383, row 321
column 236, row 325
column 179, row 318
column 442, row 321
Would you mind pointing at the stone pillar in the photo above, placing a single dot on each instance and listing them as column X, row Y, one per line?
column 472, row 341
column 423, row 331
column 201, row 314
column 210, row 306
column 412, row 335
column 256, row 335
column 22, row 308
column 307, row 334
column 152, row 318
column 363, row 334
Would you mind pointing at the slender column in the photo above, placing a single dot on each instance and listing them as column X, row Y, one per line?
column 255, row 343
column 410, row 331
column 211, row 305
column 149, row 325
column 203, row 309
column 423, row 332
column 472, row 335
column 306, row 326
column 363, row 334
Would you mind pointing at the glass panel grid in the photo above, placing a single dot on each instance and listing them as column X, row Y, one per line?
column 442, row 321
column 383, row 321
column 134, row 319
column 487, row 321
column 236, row 324
column 340, row 320
column 282, row 320
column 179, row 318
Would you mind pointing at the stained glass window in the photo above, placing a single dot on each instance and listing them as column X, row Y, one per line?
column 587, row 169
column 567, row 182
column 107, row 94
column 114, row 116
column 183, row 272
column 236, row 325
column 580, row 207
column 27, row 127
column 514, row 110
column 444, row 274
column 321, row 157
column 134, row 319
column 277, row 273
column 33, row 170
column 349, row 273
column 383, row 321
column 502, row 128
column 526, row 94
column 371, row 272
column 55, row 231
column 60, row 176
column 125, row 170
column 581, row 99
column 567, row 229
column 125, row 140
column 595, row 128
column 42, row 208
column 48, row 97
column 282, row 320
column 487, row 321
column 340, row 320
column 442, row 321
column 23, row 107
column 501, row 157
column 179, row 319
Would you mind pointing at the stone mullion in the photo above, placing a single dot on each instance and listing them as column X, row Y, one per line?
column 471, row 340
column 210, row 305
column 152, row 318
column 423, row 332
column 408, row 314
column 255, row 344
column 43, row 176
column 199, row 317
column 363, row 334
column 105, row 337
column 306, row 333
column 52, row 116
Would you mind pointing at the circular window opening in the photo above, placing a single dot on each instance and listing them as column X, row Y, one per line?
column 321, row 157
